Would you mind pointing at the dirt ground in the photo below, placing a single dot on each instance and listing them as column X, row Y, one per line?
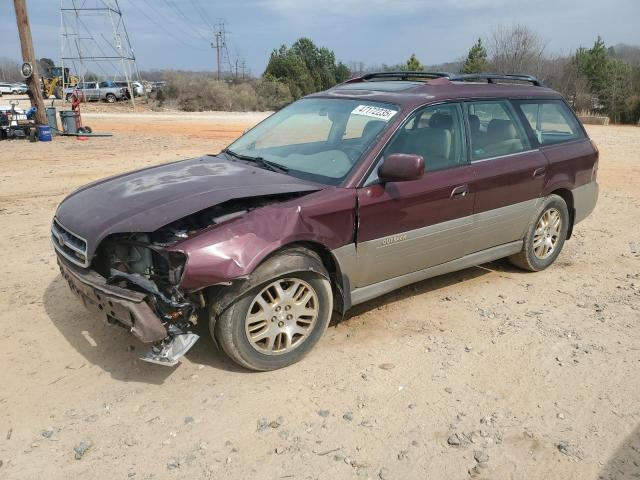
column 487, row 373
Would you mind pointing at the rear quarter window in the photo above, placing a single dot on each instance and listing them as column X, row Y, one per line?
column 551, row 121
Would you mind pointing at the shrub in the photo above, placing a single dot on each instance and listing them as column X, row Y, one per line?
column 202, row 92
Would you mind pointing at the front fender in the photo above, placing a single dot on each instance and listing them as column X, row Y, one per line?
column 234, row 249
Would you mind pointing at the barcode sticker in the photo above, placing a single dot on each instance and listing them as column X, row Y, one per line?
column 375, row 112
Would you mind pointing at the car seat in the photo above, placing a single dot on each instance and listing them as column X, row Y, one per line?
column 502, row 138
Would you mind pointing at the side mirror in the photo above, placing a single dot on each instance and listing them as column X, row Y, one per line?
column 401, row 167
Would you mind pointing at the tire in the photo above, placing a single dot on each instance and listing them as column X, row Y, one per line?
column 543, row 244
column 88, row 129
column 299, row 274
column 110, row 98
column 68, row 97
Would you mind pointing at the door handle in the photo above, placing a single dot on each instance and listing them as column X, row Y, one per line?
column 460, row 191
column 539, row 172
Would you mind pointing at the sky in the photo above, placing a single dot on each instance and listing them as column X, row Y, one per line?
column 177, row 33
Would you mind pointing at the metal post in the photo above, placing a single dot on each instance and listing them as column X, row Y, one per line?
column 28, row 55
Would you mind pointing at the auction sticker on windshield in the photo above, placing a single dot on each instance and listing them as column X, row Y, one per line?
column 375, row 112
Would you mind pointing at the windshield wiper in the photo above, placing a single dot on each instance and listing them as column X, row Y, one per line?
column 274, row 167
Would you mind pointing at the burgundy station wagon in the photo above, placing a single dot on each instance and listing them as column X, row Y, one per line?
column 347, row 194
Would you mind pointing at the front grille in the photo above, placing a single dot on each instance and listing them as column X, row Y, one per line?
column 68, row 244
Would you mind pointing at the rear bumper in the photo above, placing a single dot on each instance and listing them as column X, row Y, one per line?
column 584, row 200
column 115, row 304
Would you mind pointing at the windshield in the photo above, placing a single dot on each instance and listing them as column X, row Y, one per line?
column 318, row 139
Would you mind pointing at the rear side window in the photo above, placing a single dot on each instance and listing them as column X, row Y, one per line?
column 494, row 130
column 551, row 121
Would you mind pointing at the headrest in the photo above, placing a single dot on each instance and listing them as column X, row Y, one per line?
column 429, row 142
column 474, row 123
column 372, row 128
column 440, row 120
column 500, row 130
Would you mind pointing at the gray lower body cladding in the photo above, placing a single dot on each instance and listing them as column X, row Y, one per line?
column 584, row 200
column 376, row 267
column 125, row 307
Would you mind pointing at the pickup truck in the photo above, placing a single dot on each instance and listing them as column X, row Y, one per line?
column 96, row 91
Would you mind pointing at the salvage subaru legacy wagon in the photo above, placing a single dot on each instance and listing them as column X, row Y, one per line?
column 347, row 194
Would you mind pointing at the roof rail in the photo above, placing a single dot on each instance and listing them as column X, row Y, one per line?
column 454, row 77
column 398, row 75
column 495, row 77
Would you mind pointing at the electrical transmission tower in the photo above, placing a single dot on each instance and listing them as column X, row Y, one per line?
column 93, row 36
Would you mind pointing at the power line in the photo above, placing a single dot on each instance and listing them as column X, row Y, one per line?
column 187, row 21
column 203, row 15
column 162, row 27
column 167, row 21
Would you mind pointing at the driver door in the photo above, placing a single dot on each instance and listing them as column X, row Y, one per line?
column 409, row 226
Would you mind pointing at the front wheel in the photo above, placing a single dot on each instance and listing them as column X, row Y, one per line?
column 278, row 321
column 545, row 236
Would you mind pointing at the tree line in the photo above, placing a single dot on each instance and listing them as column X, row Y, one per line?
column 599, row 79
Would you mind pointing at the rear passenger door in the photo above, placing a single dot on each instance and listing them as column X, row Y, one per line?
column 404, row 227
column 511, row 173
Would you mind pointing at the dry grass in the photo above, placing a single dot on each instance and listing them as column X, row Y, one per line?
column 199, row 93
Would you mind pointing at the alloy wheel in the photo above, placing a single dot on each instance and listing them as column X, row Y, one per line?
column 282, row 316
column 547, row 233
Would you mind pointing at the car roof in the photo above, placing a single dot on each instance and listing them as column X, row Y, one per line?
column 408, row 89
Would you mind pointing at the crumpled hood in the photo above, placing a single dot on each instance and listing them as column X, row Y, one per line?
column 147, row 199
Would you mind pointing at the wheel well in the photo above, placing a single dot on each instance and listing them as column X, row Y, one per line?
column 567, row 196
column 341, row 301
column 329, row 262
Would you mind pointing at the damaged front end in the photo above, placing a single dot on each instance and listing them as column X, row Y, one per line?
column 134, row 281
column 135, row 278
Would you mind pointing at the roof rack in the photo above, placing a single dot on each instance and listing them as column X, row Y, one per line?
column 399, row 75
column 494, row 78
column 454, row 77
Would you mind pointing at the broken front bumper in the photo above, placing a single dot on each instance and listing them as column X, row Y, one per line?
column 125, row 307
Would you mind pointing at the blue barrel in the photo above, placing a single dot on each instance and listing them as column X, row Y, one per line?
column 44, row 133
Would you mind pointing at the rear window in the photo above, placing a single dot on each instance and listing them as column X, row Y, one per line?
column 551, row 121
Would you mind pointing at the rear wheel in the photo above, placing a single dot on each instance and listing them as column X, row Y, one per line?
column 111, row 98
column 545, row 236
column 277, row 322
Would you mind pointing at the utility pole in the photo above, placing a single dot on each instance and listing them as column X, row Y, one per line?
column 220, row 44
column 243, row 67
column 28, row 55
column 219, row 41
